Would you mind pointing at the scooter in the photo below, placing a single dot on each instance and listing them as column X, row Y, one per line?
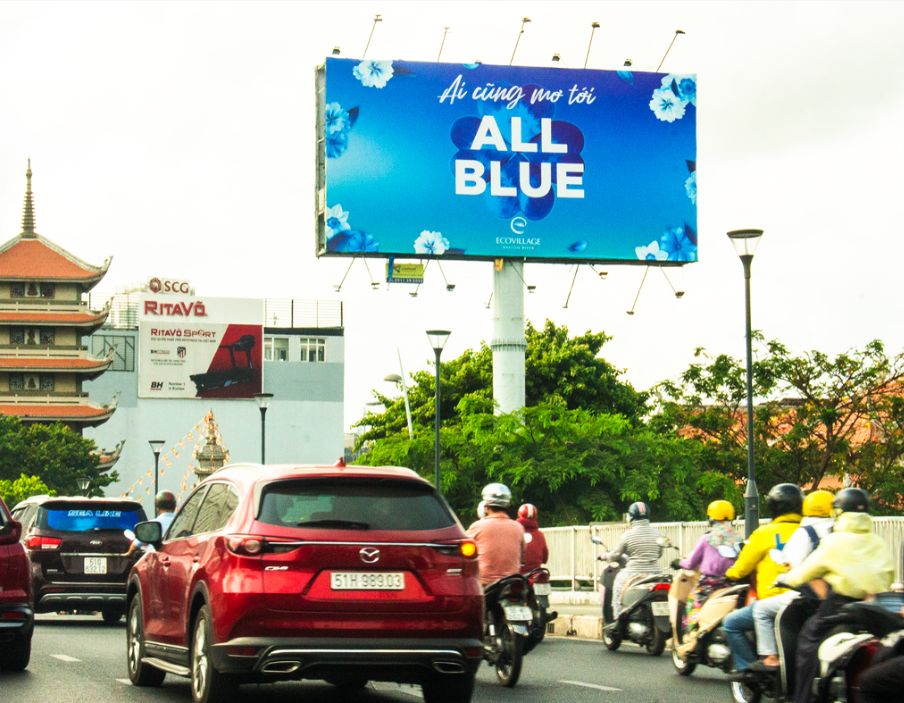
column 844, row 655
column 506, row 627
column 539, row 604
column 644, row 618
column 706, row 644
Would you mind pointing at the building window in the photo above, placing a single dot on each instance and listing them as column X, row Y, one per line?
column 32, row 382
column 17, row 335
column 17, row 382
column 17, row 290
column 48, row 290
column 312, row 348
column 47, row 335
column 47, row 382
column 276, row 349
column 31, row 290
column 122, row 348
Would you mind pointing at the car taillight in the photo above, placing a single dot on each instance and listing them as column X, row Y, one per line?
column 245, row 545
column 468, row 549
column 41, row 543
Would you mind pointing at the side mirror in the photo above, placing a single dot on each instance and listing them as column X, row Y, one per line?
column 11, row 532
column 150, row 532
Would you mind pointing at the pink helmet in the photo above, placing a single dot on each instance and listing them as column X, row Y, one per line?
column 528, row 511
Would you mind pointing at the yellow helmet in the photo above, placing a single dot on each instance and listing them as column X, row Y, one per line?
column 818, row 504
column 720, row 510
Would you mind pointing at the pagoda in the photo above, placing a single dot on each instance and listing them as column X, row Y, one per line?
column 43, row 318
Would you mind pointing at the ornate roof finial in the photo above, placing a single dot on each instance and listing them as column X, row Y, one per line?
column 28, row 214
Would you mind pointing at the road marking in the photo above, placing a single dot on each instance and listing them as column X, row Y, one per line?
column 126, row 682
column 65, row 658
column 591, row 685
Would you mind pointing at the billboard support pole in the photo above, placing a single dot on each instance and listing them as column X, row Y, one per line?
column 508, row 343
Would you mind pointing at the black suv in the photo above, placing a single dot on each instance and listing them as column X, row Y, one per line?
column 76, row 547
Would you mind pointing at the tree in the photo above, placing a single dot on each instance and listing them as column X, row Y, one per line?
column 53, row 453
column 23, row 487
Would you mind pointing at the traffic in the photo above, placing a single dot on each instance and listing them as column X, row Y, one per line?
column 353, row 576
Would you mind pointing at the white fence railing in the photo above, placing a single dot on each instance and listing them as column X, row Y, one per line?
column 572, row 556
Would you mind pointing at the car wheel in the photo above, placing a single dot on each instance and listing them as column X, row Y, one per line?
column 111, row 615
column 207, row 684
column 449, row 688
column 17, row 654
column 140, row 674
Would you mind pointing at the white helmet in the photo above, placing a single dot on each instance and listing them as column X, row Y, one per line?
column 481, row 510
column 496, row 495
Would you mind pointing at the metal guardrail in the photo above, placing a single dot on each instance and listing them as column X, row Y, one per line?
column 572, row 556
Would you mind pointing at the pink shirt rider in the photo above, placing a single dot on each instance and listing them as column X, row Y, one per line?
column 500, row 543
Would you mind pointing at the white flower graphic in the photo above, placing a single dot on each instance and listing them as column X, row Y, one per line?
column 651, row 252
column 431, row 243
column 373, row 74
column 667, row 106
column 690, row 187
column 336, row 220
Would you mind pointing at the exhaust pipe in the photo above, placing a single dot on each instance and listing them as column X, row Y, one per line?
column 444, row 666
column 280, row 667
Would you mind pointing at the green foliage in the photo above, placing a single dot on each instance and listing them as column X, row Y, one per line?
column 23, row 487
column 53, row 453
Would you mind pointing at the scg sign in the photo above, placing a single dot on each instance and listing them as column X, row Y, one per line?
column 168, row 285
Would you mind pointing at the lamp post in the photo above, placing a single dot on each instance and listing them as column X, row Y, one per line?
column 745, row 242
column 263, row 402
column 156, row 446
column 83, row 482
column 438, row 339
column 400, row 382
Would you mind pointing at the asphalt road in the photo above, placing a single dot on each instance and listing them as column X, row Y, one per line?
column 79, row 658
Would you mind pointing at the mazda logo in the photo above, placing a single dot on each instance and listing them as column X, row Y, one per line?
column 369, row 555
column 96, row 543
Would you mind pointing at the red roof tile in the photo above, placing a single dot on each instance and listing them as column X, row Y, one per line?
column 59, row 318
column 52, row 363
column 50, row 412
column 36, row 258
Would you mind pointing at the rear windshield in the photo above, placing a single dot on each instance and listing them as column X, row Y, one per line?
column 82, row 517
column 353, row 504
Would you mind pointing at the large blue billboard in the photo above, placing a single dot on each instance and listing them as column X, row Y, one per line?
column 480, row 162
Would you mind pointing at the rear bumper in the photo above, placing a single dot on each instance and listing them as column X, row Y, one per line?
column 402, row 660
column 16, row 620
column 80, row 600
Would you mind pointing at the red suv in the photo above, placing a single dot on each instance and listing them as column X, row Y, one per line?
column 16, row 614
column 346, row 574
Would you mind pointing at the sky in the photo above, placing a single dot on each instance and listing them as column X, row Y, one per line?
column 178, row 138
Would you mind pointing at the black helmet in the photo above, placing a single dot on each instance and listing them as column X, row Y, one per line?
column 851, row 500
column 638, row 511
column 784, row 498
column 165, row 500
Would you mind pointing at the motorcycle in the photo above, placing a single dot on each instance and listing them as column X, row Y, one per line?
column 644, row 618
column 844, row 654
column 706, row 644
column 506, row 628
column 539, row 604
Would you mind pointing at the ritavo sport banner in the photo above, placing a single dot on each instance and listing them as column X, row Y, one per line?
column 484, row 162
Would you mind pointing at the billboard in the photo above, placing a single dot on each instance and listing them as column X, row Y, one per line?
column 199, row 347
column 481, row 162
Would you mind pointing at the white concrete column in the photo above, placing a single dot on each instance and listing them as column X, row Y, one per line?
column 508, row 343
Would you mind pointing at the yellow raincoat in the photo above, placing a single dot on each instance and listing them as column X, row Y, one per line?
column 755, row 554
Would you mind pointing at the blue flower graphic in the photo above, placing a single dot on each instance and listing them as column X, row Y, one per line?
column 511, row 163
column 690, row 187
column 680, row 243
column 337, row 119
column 352, row 240
column 337, row 123
column 336, row 144
column 373, row 74
column 685, row 87
column 667, row 106
column 429, row 242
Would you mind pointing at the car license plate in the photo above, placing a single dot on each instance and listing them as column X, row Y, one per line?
column 95, row 565
column 660, row 607
column 367, row 581
column 516, row 613
column 542, row 589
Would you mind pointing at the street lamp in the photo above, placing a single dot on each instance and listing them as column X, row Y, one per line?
column 745, row 242
column 438, row 339
column 156, row 446
column 263, row 402
column 400, row 382
column 83, row 482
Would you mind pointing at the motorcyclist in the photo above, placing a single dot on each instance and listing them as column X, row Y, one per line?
column 854, row 563
column 817, row 523
column 641, row 544
column 165, row 507
column 715, row 552
column 784, row 504
column 536, row 553
column 500, row 540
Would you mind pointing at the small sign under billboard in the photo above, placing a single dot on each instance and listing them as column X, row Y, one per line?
column 480, row 162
